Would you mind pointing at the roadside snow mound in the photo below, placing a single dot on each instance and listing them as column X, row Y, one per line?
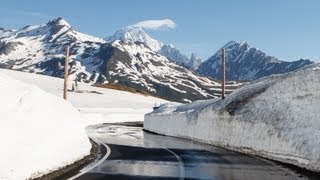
column 97, row 105
column 39, row 132
column 276, row 117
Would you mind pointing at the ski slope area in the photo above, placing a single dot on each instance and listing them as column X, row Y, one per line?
column 39, row 132
column 275, row 117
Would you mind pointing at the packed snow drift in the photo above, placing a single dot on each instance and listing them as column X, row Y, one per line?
column 39, row 132
column 276, row 117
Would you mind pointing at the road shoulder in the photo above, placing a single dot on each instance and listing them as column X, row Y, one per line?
column 72, row 169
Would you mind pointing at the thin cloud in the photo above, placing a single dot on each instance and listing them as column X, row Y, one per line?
column 34, row 14
column 163, row 24
column 26, row 13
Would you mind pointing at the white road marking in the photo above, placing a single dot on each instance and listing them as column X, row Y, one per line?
column 182, row 172
column 97, row 163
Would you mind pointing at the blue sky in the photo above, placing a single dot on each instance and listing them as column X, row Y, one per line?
column 287, row 29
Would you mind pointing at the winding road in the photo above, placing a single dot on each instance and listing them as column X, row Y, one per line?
column 132, row 153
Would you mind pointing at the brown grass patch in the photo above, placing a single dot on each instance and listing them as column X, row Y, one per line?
column 122, row 88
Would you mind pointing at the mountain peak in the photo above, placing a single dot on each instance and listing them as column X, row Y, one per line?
column 135, row 34
column 194, row 61
column 230, row 44
column 175, row 55
column 59, row 22
column 239, row 46
column 235, row 43
column 245, row 45
column 194, row 56
column 171, row 45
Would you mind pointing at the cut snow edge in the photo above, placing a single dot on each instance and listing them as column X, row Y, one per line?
column 275, row 117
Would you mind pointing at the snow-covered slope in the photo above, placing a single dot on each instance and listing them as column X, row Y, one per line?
column 39, row 132
column 5, row 32
column 134, row 65
column 246, row 63
column 175, row 55
column 276, row 117
column 97, row 105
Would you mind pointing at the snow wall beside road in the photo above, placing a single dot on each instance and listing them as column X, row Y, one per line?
column 277, row 117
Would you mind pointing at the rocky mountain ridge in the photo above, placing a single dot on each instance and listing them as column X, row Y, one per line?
column 41, row 49
column 244, row 62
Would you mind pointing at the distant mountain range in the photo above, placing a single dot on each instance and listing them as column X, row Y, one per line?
column 242, row 61
column 137, row 34
column 246, row 63
column 41, row 49
column 132, row 58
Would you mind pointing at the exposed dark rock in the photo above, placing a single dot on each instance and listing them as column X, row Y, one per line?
column 7, row 48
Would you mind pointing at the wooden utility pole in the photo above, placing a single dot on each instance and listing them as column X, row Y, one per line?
column 66, row 63
column 223, row 81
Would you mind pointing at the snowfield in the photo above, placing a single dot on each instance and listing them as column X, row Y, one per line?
column 276, row 117
column 97, row 105
column 40, row 132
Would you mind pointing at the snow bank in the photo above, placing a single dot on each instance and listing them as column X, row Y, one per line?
column 39, row 132
column 277, row 117
column 105, row 106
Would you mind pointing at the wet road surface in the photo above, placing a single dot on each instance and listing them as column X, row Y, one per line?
column 134, row 154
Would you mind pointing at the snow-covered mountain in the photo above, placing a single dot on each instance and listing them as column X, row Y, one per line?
column 137, row 34
column 174, row 54
column 41, row 49
column 194, row 61
column 135, row 65
column 246, row 63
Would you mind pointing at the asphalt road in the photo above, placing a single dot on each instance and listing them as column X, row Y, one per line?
column 134, row 154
